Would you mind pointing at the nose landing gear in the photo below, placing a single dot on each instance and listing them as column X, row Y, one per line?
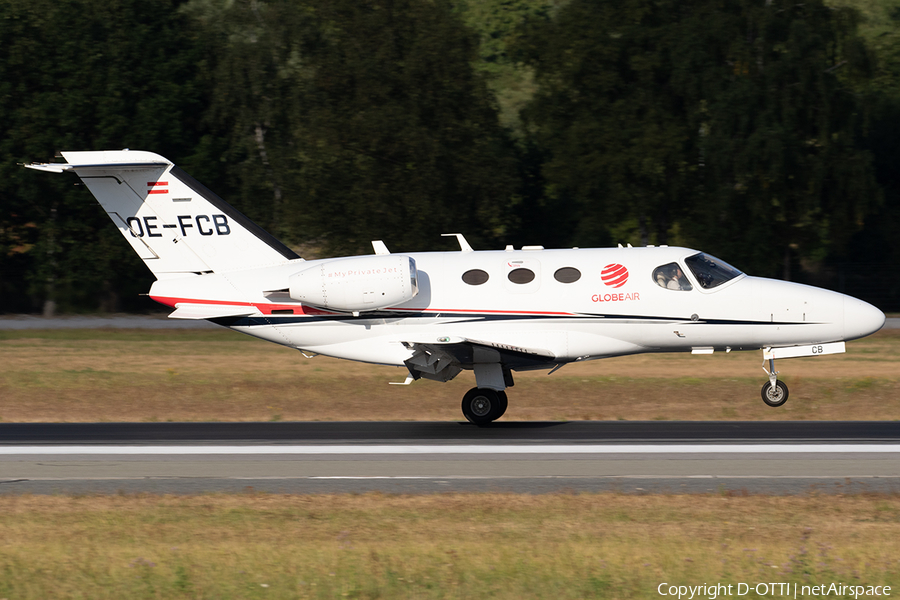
column 774, row 393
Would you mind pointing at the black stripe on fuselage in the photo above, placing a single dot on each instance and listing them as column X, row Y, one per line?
column 476, row 317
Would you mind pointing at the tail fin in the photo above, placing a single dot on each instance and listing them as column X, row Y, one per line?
column 174, row 223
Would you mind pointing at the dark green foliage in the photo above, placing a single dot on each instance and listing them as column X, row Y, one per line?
column 355, row 121
column 871, row 266
column 778, row 121
column 80, row 75
column 746, row 128
column 498, row 24
column 402, row 135
column 607, row 112
column 255, row 59
column 734, row 121
column 331, row 123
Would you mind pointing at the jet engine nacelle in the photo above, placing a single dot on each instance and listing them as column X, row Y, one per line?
column 356, row 284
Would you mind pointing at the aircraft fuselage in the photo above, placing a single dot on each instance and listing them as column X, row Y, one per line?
column 573, row 320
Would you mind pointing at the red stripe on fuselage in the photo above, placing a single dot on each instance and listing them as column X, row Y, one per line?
column 300, row 309
column 264, row 308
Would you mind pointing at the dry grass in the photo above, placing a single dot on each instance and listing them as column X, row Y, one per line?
column 437, row 546
column 121, row 375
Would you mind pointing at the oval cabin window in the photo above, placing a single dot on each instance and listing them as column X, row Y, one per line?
column 567, row 275
column 475, row 277
column 521, row 275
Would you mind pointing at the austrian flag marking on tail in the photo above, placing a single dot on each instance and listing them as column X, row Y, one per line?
column 614, row 275
column 157, row 187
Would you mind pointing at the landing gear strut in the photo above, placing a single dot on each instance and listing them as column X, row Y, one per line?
column 483, row 405
column 774, row 393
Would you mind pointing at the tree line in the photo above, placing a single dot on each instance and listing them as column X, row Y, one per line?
column 760, row 131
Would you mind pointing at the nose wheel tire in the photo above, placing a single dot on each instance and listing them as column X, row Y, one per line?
column 776, row 395
column 483, row 405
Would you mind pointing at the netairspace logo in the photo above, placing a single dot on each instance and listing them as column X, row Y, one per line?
column 774, row 590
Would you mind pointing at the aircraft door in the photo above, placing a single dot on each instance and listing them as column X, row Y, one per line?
column 675, row 297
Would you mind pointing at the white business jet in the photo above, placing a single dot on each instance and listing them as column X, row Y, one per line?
column 438, row 313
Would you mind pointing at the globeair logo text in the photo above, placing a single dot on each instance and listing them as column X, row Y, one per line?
column 614, row 276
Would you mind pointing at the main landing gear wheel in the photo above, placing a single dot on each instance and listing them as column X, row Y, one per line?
column 775, row 395
column 504, row 403
column 483, row 405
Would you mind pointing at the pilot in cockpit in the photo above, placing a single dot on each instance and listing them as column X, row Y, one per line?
column 672, row 278
column 677, row 280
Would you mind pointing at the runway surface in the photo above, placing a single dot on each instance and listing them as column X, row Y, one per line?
column 423, row 457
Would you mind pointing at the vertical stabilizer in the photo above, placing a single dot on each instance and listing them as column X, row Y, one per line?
column 174, row 223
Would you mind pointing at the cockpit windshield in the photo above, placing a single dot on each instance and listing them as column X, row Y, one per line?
column 710, row 271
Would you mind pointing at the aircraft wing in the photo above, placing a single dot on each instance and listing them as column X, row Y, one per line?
column 444, row 358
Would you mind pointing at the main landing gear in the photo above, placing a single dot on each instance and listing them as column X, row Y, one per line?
column 774, row 393
column 484, row 405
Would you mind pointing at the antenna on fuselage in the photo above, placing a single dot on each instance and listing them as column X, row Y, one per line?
column 463, row 244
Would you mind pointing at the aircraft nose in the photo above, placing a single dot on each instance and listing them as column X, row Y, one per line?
column 861, row 319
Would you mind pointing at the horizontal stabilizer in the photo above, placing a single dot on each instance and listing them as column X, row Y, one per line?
column 63, row 167
column 211, row 311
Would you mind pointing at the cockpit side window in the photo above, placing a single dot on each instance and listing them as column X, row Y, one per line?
column 710, row 271
column 671, row 277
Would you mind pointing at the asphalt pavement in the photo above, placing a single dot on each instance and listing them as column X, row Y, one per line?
column 434, row 457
